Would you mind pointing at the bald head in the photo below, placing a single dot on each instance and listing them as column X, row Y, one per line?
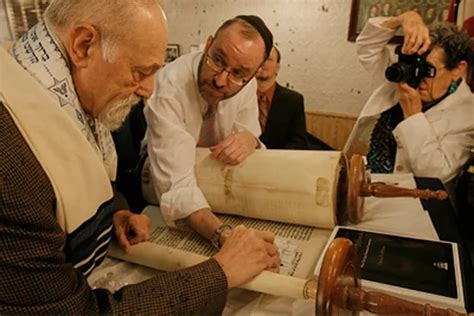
column 102, row 13
column 115, row 20
column 114, row 48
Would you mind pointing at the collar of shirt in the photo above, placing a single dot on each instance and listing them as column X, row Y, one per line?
column 195, row 68
column 269, row 93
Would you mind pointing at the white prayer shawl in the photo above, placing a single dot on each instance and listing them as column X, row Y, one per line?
column 77, row 170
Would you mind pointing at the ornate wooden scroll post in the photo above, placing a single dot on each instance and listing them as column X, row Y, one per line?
column 339, row 293
column 359, row 187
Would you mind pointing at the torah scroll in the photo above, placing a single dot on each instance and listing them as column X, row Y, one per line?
column 169, row 249
column 286, row 188
column 290, row 186
column 169, row 259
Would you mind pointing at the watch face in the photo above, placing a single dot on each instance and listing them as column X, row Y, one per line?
column 217, row 235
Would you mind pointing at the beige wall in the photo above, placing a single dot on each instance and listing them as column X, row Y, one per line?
column 317, row 60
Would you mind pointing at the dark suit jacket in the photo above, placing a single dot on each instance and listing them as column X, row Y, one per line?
column 286, row 125
column 35, row 277
column 127, row 141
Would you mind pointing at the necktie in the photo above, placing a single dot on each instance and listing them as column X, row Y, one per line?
column 208, row 134
column 262, row 110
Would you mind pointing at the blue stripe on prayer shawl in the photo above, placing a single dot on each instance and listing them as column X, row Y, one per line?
column 94, row 261
column 88, row 243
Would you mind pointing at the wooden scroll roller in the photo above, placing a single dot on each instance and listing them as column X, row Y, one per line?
column 359, row 187
column 338, row 291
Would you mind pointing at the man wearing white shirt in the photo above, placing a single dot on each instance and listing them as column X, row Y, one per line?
column 205, row 99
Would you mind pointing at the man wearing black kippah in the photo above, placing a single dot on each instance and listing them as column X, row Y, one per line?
column 205, row 99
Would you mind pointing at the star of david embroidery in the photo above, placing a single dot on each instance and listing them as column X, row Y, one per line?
column 61, row 89
column 79, row 117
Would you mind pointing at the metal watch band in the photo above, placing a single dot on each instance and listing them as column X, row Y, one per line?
column 217, row 235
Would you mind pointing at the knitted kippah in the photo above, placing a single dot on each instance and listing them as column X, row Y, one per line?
column 261, row 28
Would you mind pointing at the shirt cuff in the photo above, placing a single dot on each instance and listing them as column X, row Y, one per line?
column 180, row 203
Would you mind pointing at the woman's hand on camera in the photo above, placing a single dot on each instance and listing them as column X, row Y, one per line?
column 410, row 100
column 416, row 35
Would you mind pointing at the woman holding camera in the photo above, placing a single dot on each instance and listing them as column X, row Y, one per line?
column 425, row 127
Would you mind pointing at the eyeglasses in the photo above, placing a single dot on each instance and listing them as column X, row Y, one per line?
column 234, row 75
column 429, row 70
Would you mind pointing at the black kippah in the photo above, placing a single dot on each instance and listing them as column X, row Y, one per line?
column 261, row 28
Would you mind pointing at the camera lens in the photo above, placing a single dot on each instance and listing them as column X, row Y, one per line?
column 409, row 68
column 394, row 73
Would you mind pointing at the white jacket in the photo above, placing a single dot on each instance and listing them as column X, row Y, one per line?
column 435, row 143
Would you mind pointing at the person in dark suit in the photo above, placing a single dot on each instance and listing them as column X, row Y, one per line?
column 281, row 110
column 127, row 140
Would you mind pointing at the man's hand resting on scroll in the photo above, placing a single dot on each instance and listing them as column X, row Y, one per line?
column 131, row 228
column 245, row 253
column 235, row 148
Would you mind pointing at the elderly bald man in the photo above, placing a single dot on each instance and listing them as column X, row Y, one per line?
column 64, row 85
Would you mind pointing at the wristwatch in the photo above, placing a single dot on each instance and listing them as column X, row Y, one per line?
column 215, row 240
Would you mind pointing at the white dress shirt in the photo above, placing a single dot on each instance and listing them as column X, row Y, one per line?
column 174, row 116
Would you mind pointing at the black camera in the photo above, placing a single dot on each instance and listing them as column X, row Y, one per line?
column 410, row 68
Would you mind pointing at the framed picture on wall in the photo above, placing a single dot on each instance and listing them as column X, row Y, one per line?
column 172, row 52
column 432, row 11
column 23, row 14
